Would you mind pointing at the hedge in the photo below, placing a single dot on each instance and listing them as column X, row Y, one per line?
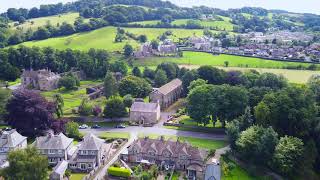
column 120, row 172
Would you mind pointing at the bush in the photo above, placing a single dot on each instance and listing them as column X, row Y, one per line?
column 119, row 172
column 69, row 82
column 85, row 108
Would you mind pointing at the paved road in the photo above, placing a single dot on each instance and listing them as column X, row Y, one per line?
column 159, row 131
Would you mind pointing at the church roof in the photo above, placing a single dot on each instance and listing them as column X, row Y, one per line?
column 172, row 85
column 144, row 107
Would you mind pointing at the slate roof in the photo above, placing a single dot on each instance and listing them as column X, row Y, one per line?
column 144, row 107
column 176, row 148
column 11, row 139
column 172, row 85
column 51, row 141
column 60, row 168
column 91, row 142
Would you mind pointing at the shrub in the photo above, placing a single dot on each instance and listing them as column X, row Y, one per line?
column 120, row 172
column 85, row 108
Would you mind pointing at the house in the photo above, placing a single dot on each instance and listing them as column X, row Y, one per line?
column 56, row 147
column 43, row 80
column 59, row 170
column 145, row 51
column 90, row 154
column 167, row 94
column 145, row 113
column 168, row 154
column 167, row 47
column 9, row 141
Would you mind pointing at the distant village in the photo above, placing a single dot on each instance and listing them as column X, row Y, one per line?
column 279, row 45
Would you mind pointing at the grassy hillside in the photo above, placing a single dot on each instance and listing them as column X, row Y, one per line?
column 54, row 20
column 104, row 38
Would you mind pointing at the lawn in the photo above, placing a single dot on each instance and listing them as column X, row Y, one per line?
column 186, row 120
column 221, row 25
column 73, row 98
column 12, row 83
column 77, row 176
column 104, row 38
column 54, row 20
column 197, row 142
column 111, row 135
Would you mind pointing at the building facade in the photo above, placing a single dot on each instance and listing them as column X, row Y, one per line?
column 168, row 155
column 145, row 113
column 43, row 80
column 167, row 94
column 56, row 147
column 90, row 154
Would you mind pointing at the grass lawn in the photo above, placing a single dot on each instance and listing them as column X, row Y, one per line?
column 221, row 25
column 104, row 38
column 77, row 176
column 197, row 142
column 54, row 20
column 106, row 124
column 108, row 135
column 186, row 120
column 17, row 81
column 73, row 98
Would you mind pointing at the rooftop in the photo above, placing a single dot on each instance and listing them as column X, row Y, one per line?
column 167, row 88
column 144, row 107
column 51, row 141
column 11, row 138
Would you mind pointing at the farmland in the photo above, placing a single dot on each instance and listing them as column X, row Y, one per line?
column 104, row 38
column 193, row 60
column 54, row 20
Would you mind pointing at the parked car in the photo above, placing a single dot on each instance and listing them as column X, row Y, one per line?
column 120, row 126
column 96, row 126
column 83, row 126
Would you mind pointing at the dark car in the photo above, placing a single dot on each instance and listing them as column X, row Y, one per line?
column 120, row 126
column 96, row 126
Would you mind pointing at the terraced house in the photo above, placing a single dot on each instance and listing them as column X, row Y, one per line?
column 168, row 154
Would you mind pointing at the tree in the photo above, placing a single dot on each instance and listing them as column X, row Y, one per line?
column 119, row 66
column 197, row 83
column 26, row 164
column 29, row 113
column 142, row 38
column 271, row 80
column 59, row 102
column 128, row 100
column 290, row 111
column 115, row 108
column 160, row 78
column 166, row 19
column 41, row 33
column 85, row 108
column 212, row 75
column 314, row 85
column 288, row 155
column 154, row 44
column 66, row 29
column 137, row 87
column 136, row 72
column 226, row 64
column 171, row 69
column 72, row 130
column 110, row 85
column 257, row 144
column 69, row 82
column 4, row 96
column 187, row 78
column 256, row 95
column 128, row 50
column 148, row 73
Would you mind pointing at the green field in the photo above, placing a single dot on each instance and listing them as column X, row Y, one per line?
column 54, row 20
column 200, row 143
column 77, row 176
column 193, row 60
column 221, row 25
column 104, row 38
column 73, row 98
column 108, row 135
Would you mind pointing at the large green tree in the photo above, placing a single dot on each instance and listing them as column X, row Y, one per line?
column 110, row 85
column 4, row 96
column 160, row 78
column 290, row 111
column 212, row 75
column 314, row 85
column 59, row 103
column 26, row 164
column 115, row 108
column 287, row 157
column 137, row 87
column 171, row 69
column 271, row 80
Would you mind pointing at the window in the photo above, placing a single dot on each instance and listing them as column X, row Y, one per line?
column 59, row 151
column 92, row 152
column 89, row 166
column 52, row 151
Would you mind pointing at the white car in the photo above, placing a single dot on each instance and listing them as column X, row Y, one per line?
column 83, row 126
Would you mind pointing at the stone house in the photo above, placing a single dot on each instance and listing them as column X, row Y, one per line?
column 56, row 147
column 168, row 154
column 167, row 47
column 90, row 154
column 9, row 141
column 167, row 94
column 43, row 80
column 145, row 113
column 145, row 51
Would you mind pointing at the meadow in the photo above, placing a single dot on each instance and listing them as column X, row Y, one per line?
column 104, row 38
column 39, row 22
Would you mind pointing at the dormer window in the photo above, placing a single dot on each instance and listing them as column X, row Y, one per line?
column 152, row 153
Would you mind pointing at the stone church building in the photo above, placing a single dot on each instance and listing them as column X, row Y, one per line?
column 43, row 80
column 167, row 94
column 145, row 113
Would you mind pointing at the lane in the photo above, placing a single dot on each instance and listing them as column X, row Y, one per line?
column 159, row 130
